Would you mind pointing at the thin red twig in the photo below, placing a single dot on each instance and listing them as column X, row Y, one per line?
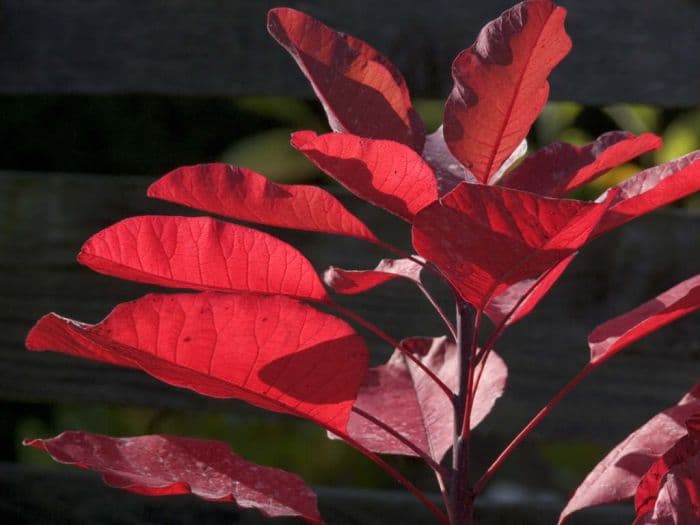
column 530, row 426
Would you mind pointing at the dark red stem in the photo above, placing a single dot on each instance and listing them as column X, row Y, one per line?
column 461, row 496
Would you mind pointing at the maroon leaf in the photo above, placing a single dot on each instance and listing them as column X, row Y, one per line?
column 351, row 282
column 651, row 189
column 273, row 352
column 168, row 465
column 485, row 238
column 672, row 460
column 614, row 335
column 202, row 254
column 385, row 173
column 560, row 168
column 243, row 194
column 403, row 397
column 521, row 298
column 616, row 477
column 500, row 84
column 361, row 91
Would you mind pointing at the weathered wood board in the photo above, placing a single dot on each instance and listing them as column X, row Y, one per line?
column 44, row 218
column 61, row 497
column 646, row 51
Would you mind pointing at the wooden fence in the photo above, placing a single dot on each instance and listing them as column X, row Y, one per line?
column 645, row 51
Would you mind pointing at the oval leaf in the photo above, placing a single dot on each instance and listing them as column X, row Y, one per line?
column 617, row 476
column 650, row 189
column 487, row 238
column 500, row 84
column 614, row 335
column 560, row 168
column 273, row 352
column 351, row 282
column 361, row 91
column 202, row 254
column 168, row 465
column 403, row 397
column 382, row 172
column 243, row 194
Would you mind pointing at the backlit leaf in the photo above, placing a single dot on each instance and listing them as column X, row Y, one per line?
column 519, row 299
column 650, row 189
column 500, row 84
column 614, row 335
column 361, row 91
column 202, row 254
column 382, row 172
column 273, row 352
column 169, row 465
column 487, row 238
column 560, row 168
column 351, row 282
column 242, row 194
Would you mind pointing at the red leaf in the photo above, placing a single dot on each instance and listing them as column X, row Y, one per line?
column 382, row 172
column 361, row 91
column 168, row 465
column 614, row 335
column 616, row 477
column 485, row 238
column 678, row 500
column 202, row 254
column 351, row 282
column 651, row 189
column 273, row 352
column 686, row 448
column 500, row 84
column 243, row 194
column 521, row 298
column 560, row 168
column 402, row 396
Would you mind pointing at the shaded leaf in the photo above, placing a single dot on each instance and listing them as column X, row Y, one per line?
column 361, row 91
column 351, row 282
column 519, row 299
column 651, row 189
column 449, row 172
column 617, row 476
column 243, row 194
column 203, row 254
column 670, row 463
column 273, row 352
column 614, row 335
column 500, row 84
column 560, row 168
column 168, row 465
column 382, row 172
column 487, row 238
column 678, row 500
column 404, row 397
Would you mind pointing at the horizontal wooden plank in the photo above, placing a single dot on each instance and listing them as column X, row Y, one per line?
column 645, row 52
column 30, row 495
column 46, row 217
